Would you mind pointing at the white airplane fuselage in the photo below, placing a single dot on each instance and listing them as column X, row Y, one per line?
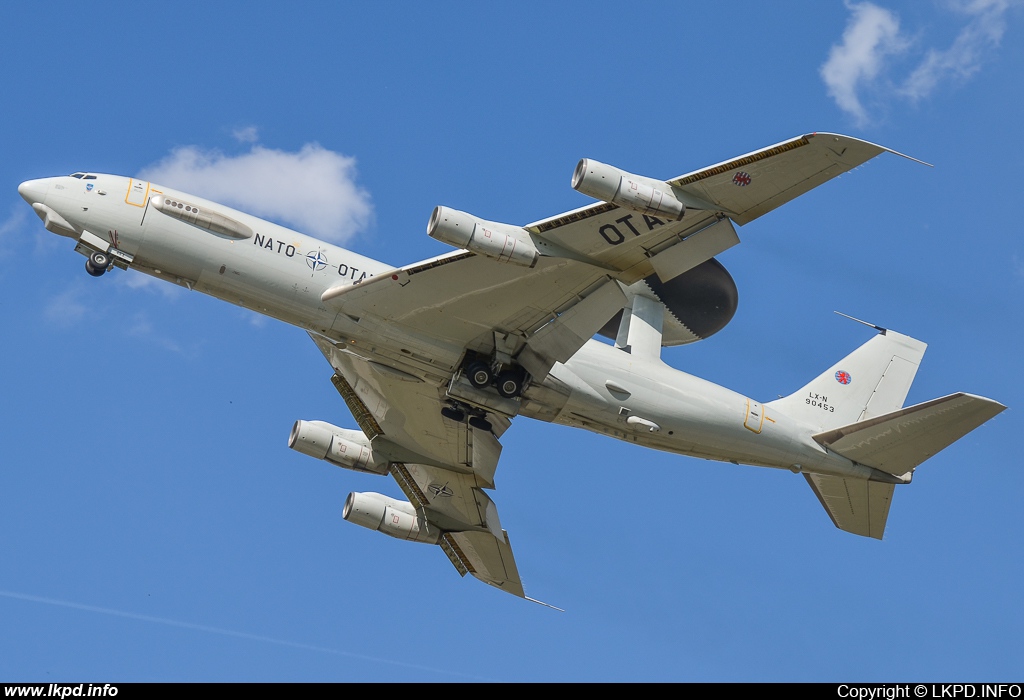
column 282, row 273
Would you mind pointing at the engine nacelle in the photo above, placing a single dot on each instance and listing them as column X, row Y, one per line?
column 390, row 516
column 635, row 192
column 504, row 243
column 345, row 448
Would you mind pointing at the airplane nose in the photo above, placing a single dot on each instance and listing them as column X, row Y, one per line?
column 34, row 191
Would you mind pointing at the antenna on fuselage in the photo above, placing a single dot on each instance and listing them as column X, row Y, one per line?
column 877, row 328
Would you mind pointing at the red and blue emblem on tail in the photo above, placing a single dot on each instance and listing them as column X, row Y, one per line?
column 843, row 377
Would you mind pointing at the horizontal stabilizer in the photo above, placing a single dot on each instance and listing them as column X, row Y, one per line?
column 855, row 505
column 899, row 441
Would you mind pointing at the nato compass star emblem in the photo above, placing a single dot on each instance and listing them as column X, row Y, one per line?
column 441, row 490
column 316, row 261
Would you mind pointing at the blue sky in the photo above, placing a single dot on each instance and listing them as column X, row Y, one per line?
column 155, row 525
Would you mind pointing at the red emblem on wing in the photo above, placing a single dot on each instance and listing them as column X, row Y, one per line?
column 741, row 179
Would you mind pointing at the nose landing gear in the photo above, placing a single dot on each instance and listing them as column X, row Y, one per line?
column 101, row 255
column 97, row 263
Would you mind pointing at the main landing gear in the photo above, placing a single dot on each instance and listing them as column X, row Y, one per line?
column 479, row 374
column 97, row 263
column 509, row 383
column 457, row 412
column 453, row 413
column 484, row 386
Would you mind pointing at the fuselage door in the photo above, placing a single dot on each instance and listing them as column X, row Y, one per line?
column 138, row 192
column 755, row 416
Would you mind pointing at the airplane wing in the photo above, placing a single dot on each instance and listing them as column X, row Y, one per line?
column 465, row 298
column 441, row 465
column 753, row 184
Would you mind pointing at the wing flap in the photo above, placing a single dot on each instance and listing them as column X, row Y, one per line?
column 560, row 339
column 694, row 250
column 488, row 559
column 854, row 505
column 618, row 239
column 897, row 442
column 454, row 500
column 464, row 301
column 486, row 453
column 402, row 418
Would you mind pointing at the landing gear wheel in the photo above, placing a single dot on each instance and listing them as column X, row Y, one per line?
column 479, row 375
column 510, row 383
column 97, row 264
column 480, row 423
column 453, row 414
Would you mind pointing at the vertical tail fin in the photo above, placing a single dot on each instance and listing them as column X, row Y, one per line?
column 872, row 380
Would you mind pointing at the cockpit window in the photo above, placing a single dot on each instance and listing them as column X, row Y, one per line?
column 83, row 176
column 78, row 175
column 89, row 177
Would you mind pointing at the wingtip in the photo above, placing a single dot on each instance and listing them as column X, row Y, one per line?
column 541, row 602
column 876, row 145
column 904, row 155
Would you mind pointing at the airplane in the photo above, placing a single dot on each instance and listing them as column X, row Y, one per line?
column 435, row 359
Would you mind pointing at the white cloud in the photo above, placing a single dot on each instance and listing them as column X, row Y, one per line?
column 12, row 222
column 254, row 319
column 66, row 309
column 313, row 189
column 140, row 327
column 225, row 632
column 137, row 281
column 963, row 58
column 246, row 134
column 871, row 36
column 9, row 225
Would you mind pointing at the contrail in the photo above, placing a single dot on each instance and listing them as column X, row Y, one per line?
column 226, row 632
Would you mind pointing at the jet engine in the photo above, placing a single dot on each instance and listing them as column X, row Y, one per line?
column 504, row 243
column 634, row 192
column 390, row 516
column 345, row 448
